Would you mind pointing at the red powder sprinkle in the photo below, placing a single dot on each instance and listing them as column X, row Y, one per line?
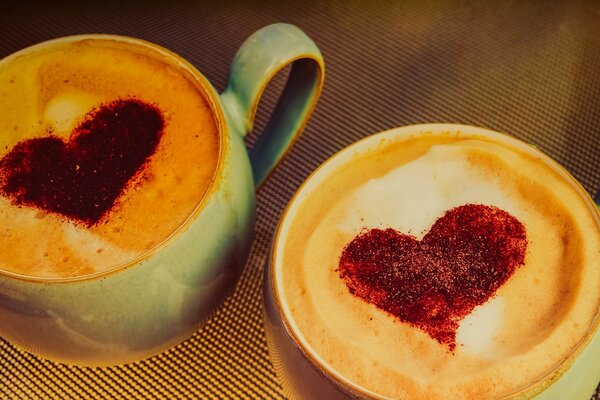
column 82, row 178
column 432, row 284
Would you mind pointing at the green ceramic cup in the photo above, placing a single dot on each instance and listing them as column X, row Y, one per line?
column 138, row 309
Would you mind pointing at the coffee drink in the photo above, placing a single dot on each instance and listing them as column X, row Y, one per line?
column 107, row 148
column 441, row 265
column 127, row 193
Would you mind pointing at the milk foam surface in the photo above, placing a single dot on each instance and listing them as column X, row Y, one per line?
column 530, row 326
column 49, row 92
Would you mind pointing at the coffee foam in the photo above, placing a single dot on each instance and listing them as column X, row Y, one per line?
column 49, row 91
column 532, row 323
column 441, row 179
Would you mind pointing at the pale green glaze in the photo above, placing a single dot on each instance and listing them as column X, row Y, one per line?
column 140, row 309
column 264, row 54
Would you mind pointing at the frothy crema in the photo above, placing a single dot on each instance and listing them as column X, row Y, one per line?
column 49, row 91
column 531, row 325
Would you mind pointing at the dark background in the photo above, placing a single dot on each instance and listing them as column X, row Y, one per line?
column 531, row 69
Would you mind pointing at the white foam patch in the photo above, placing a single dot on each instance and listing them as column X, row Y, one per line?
column 477, row 331
column 86, row 245
column 65, row 110
column 45, row 238
column 413, row 196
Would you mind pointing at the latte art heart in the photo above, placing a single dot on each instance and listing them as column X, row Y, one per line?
column 83, row 177
column 432, row 284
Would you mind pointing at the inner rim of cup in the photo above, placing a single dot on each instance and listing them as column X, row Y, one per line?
column 202, row 85
column 371, row 142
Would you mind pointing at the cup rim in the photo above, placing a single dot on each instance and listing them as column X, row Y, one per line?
column 191, row 73
column 340, row 158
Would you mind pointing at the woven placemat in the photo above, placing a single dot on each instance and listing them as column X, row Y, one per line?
column 528, row 68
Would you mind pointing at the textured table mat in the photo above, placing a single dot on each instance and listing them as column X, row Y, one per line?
column 528, row 68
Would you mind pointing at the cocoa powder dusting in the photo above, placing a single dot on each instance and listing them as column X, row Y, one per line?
column 432, row 284
column 82, row 178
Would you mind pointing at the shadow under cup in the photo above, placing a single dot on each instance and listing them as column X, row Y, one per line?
column 305, row 362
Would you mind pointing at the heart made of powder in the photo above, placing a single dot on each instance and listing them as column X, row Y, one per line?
column 82, row 178
column 432, row 284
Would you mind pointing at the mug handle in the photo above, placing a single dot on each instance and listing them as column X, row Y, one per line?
column 259, row 59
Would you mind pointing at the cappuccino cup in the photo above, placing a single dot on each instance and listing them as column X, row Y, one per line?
column 436, row 261
column 127, row 194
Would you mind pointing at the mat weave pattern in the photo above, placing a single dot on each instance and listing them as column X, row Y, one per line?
column 531, row 69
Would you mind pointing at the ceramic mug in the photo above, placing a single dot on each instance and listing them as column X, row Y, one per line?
column 138, row 309
column 304, row 372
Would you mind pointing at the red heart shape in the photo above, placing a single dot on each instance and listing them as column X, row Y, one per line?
column 432, row 284
column 82, row 178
